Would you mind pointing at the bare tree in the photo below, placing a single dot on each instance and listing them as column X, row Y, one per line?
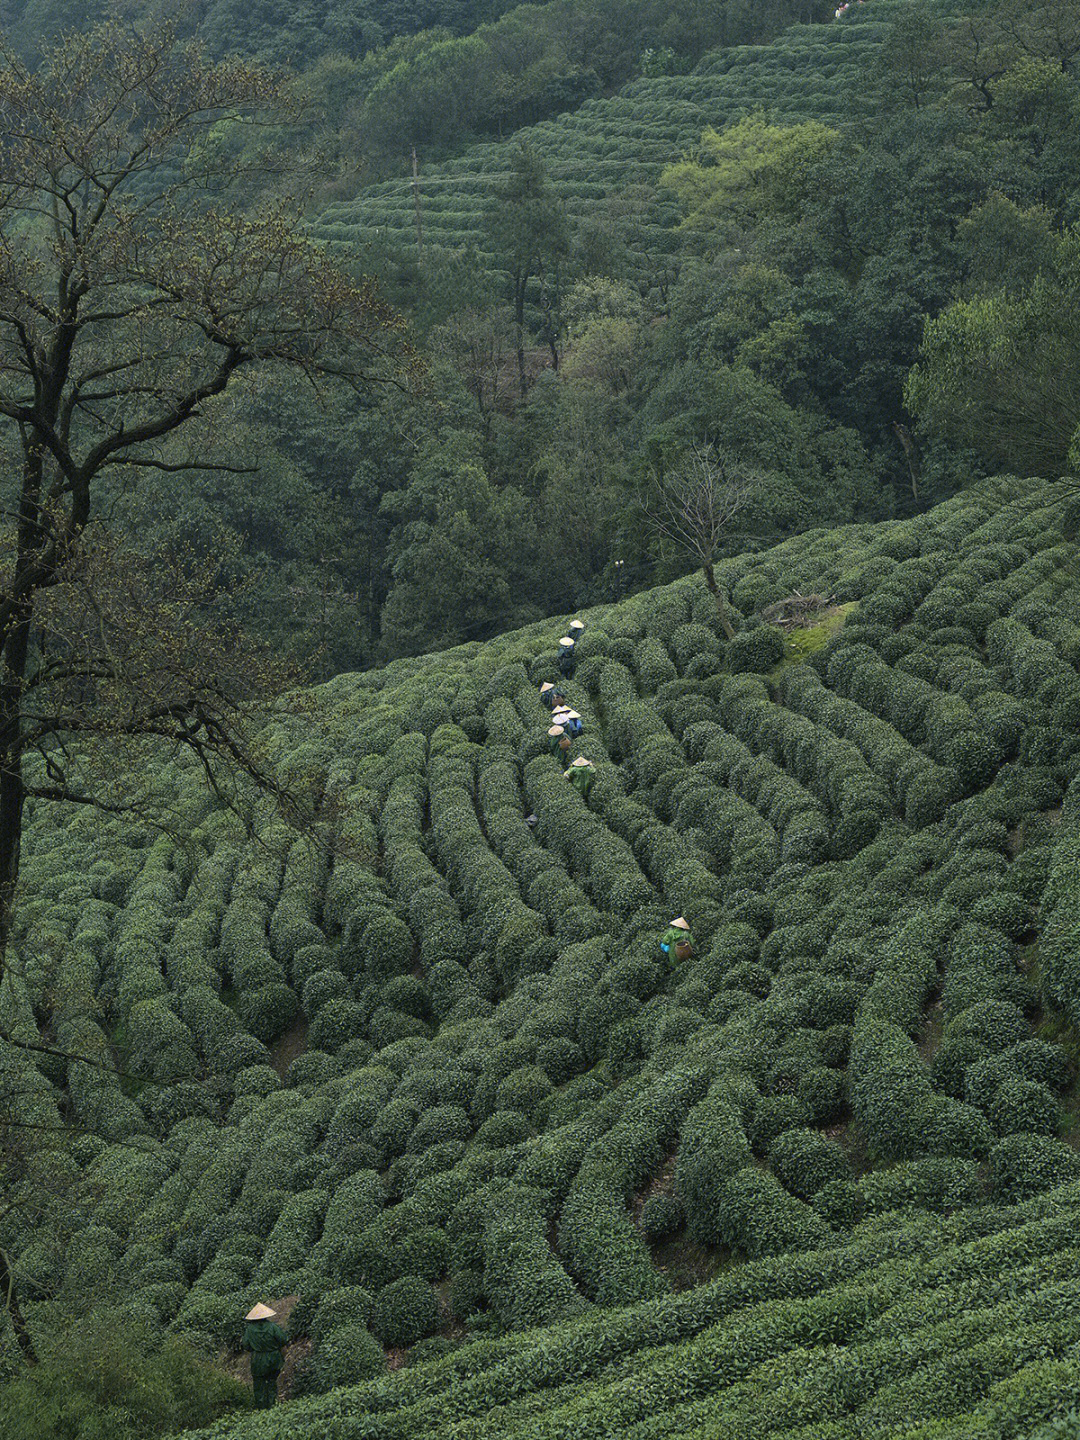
column 692, row 506
column 132, row 294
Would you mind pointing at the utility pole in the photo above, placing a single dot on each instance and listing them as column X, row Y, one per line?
column 416, row 206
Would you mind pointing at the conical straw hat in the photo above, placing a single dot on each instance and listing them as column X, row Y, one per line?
column 680, row 924
column 546, row 686
column 261, row 1312
column 556, row 730
column 577, row 624
column 572, row 715
column 581, row 761
column 567, row 640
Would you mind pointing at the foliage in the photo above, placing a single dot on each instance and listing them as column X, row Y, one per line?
column 513, row 1110
column 117, row 1382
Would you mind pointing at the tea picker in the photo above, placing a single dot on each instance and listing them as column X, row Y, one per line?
column 676, row 942
column 266, row 1340
column 580, row 775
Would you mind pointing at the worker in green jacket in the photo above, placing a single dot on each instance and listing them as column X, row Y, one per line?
column 559, row 744
column 677, row 943
column 266, row 1340
column 580, row 775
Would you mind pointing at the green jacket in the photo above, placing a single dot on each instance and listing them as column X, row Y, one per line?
column 562, row 752
column 581, row 779
column 673, row 936
column 266, row 1341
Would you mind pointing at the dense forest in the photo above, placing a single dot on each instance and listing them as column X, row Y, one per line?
column 745, row 252
column 379, row 379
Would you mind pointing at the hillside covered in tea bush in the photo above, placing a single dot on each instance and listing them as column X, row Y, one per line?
column 606, row 157
column 435, row 1084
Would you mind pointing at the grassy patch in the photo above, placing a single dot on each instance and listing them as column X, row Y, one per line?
column 802, row 643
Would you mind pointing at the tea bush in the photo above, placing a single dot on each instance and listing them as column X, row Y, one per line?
column 443, row 1075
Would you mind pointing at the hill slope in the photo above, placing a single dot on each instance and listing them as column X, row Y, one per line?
column 611, row 151
column 967, row 1326
column 443, row 1085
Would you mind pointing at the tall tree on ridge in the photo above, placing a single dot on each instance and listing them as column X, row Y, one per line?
column 132, row 294
column 528, row 229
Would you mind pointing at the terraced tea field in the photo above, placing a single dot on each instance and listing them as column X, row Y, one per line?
column 607, row 156
column 437, row 1080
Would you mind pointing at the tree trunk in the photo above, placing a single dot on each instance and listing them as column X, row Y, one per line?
column 9, row 1296
column 520, row 282
column 721, row 608
column 12, row 792
column 903, row 434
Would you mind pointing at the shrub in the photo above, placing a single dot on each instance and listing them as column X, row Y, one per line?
column 336, row 1024
column 1024, row 1165
column 654, row 665
column 822, row 1091
column 505, row 1127
column 523, row 1090
column 756, row 650
column 995, row 1024
column 1041, row 1061
column 951, row 1062
column 560, row 1059
column 1003, row 911
column 839, row 1203
column 523, row 1280
column 256, row 1080
column 433, row 1348
column 111, row 1375
column 466, row 1292
column 934, row 1183
column 805, row 1161
column 760, row 1218
column 345, row 1355
column 268, row 1010
column 602, row 1247
column 345, row 1305
column 1022, row 1105
column 313, row 1067
column 405, row 1311
column 322, row 987
column 661, row 1215
column 712, row 1149
column 386, row 1027
column 834, row 1045
column 443, row 1123
column 775, row 1114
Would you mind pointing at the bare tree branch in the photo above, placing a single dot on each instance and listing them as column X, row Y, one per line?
column 693, row 505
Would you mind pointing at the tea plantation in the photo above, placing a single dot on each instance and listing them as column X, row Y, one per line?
column 435, row 1081
column 610, row 152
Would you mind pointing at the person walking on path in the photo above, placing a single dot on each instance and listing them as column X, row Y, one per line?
column 580, row 775
column 547, row 694
column 567, row 662
column 676, row 942
column 266, row 1340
